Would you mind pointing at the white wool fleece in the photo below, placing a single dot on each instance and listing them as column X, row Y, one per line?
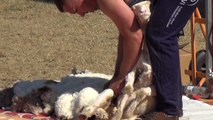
column 63, row 105
column 69, row 105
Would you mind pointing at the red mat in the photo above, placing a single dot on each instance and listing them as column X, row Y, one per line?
column 5, row 115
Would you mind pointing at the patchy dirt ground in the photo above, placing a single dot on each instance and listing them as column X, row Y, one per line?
column 38, row 42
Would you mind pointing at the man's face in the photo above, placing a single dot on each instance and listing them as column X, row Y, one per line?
column 80, row 7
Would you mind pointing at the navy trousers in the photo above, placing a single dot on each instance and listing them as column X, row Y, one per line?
column 168, row 19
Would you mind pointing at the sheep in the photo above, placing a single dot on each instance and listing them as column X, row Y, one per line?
column 66, row 99
column 44, row 96
column 44, row 93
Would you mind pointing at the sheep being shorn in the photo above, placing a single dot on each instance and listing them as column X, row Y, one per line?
column 39, row 96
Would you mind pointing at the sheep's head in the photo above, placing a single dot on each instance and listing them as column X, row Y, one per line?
column 33, row 105
column 142, row 11
column 33, row 102
column 26, row 104
column 40, row 101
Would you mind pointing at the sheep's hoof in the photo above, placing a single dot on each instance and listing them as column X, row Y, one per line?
column 128, row 89
column 114, row 110
column 101, row 114
column 144, row 91
column 63, row 118
column 82, row 117
column 87, row 112
column 117, row 115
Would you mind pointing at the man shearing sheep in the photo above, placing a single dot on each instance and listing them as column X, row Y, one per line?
column 168, row 18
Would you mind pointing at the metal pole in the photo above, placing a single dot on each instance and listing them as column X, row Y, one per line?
column 209, row 73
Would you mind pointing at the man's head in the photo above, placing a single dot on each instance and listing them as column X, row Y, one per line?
column 80, row 7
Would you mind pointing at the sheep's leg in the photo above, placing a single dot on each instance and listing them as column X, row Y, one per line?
column 134, row 117
column 130, row 78
column 120, row 107
column 148, row 91
column 101, row 114
column 129, row 110
column 100, row 102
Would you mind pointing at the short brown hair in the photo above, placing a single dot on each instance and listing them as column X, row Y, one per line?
column 59, row 5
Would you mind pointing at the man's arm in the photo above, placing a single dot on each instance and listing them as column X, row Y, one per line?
column 131, row 36
column 119, row 56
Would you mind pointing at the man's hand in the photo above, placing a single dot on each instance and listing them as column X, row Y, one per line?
column 116, row 85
